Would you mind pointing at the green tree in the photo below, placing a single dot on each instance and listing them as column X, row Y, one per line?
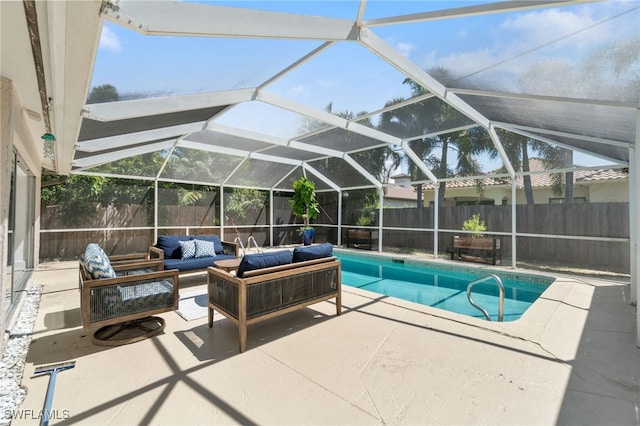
column 103, row 93
column 242, row 202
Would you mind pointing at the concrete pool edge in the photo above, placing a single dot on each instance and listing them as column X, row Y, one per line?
column 547, row 313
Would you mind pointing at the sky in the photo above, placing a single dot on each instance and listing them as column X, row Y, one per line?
column 502, row 51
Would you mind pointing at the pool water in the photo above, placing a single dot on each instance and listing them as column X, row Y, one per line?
column 442, row 287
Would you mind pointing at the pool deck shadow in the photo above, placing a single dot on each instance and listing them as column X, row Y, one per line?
column 570, row 360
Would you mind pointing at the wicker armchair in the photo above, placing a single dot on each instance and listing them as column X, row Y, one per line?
column 123, row 304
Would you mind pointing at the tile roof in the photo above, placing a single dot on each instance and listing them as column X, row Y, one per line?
column 544, row 180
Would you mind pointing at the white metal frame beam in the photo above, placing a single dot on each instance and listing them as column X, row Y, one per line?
column 634, row 229
column 120, row 110
column 129, row 139
column 191, row 19
column 96, row 160
column 526, row 131
column 328, row 118
column 522, row 128
column 461, row 12
column 185, row 143
column 414, row 72
column 332, row 184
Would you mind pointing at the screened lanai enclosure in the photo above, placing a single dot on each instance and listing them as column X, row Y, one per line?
column 409, row 117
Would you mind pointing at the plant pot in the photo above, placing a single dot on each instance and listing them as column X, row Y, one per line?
column 307, row 236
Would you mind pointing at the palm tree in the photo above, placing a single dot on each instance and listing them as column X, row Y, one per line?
column 404, row 123
column 428, row 116
column 558, row 157
column 517, row 149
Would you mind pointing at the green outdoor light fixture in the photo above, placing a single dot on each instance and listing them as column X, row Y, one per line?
column 49, row 140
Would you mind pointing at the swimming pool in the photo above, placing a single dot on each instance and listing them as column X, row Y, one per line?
column 442, row 286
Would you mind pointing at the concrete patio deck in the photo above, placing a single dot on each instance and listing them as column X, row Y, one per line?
column 572, row 360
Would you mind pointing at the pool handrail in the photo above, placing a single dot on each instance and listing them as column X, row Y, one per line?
column 254, row 243
column 500, row 301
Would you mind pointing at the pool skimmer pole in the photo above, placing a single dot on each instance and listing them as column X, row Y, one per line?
column 53, row 370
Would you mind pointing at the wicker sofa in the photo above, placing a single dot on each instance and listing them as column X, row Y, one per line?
column 121, row 295
column 170, row 249
column 274, row 284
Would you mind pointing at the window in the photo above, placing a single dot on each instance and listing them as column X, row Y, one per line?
column 576, row 200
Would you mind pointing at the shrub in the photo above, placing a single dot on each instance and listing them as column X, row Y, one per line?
column 475, row 225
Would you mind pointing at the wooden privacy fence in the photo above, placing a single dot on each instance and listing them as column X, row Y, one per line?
column 592, row 221
column 129, row 229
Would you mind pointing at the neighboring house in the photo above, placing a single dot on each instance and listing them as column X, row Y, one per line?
column 400, row 195
column 590, row 186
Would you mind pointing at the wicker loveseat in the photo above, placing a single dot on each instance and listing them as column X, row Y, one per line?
column 121, row 295
column 175, row 251
column 274, row 283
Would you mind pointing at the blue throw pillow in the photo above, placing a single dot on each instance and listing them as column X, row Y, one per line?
column 170, row 244
column 204, row 248
column 251, row 262
column 317, row 251
column 97, row 263
column 188, row 249
column 217, row 244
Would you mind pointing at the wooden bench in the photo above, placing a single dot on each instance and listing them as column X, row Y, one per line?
column 362, row 238
column 466, row 248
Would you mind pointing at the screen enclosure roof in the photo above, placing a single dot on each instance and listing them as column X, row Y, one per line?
column 257, row 94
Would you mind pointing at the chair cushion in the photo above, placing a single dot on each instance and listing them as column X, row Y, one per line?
column 188, row 249
column 97, row 263
column 317, row 251
column 217, row 244
column 204, row 248
column 113, row 301
column 251, row 262
column 171, row 246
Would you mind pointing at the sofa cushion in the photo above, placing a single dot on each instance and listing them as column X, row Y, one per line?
column 217, row 244
column 188, row 249
column 204, row 248
column 318, row 251
column 97, row 263
column 194, row 264
column 171, row 246
column 251, row 262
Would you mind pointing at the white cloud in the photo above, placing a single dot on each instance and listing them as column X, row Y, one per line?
column 467, row 62
column 109, row 40
column 539, row 28
column 533, row 40
column 297, row 92
column 405, row 48
column 326, row 84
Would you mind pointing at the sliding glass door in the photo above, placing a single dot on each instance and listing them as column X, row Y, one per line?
column 20, row 236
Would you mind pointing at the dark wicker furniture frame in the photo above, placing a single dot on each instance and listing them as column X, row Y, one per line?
column 134, row 274
column 269, row 292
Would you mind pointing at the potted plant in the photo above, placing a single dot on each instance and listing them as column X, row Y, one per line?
column 304, row 205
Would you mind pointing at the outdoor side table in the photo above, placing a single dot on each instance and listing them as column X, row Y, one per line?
column 227, row 265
